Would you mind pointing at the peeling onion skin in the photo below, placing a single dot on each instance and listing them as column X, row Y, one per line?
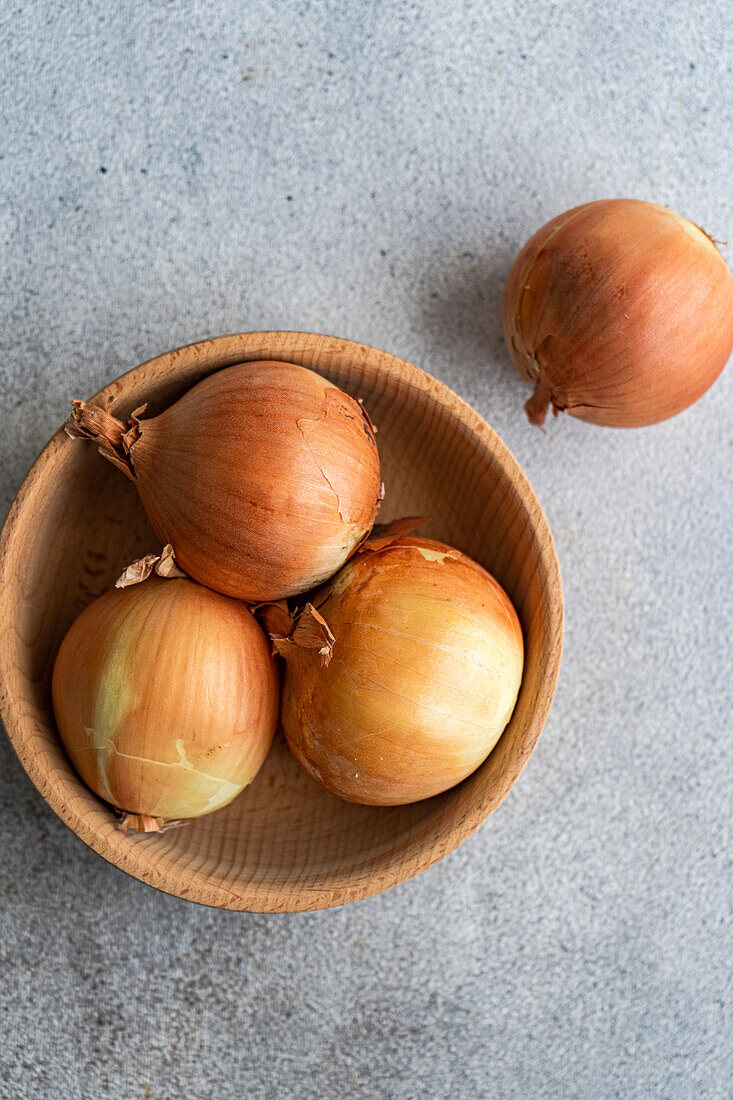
column 166, row 698
column 426, row 666
column 264, row 477
column 620, row 312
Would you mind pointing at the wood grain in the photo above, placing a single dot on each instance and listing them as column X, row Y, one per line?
column 284, row 844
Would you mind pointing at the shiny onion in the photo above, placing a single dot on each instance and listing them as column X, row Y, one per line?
column 620, row 312
column 264, row 477
column 166, row 698
column 401, row 675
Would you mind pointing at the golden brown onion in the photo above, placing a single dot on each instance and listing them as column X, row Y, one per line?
column 264, row 477
column 620, row 312
column 402, row 674
column 166, row 698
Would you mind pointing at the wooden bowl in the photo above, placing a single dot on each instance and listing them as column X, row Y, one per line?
column 284, row 844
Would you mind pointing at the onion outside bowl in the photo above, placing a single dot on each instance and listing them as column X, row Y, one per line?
column 284, row 845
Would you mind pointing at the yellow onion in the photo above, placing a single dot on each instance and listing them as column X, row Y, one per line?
column 264, row 477
column 401, row 674
column 620, row 312
column 166, row 698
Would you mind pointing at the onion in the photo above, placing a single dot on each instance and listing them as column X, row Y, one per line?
column 264, row 477
column 166, row 698
column 620, row 312
column 401, row 674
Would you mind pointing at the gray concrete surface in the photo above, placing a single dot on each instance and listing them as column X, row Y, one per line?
column 170, row 171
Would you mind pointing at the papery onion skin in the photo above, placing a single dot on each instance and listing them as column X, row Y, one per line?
column 620, row 312
column 426, row 667
column 264, row 477
column 166, row 698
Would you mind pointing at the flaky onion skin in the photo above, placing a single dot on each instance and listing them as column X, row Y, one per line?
column 620, row 312
column 166, row 698
column 426, row 666
column 264, row 477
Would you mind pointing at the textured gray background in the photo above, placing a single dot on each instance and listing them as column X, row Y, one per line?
column 171, row 171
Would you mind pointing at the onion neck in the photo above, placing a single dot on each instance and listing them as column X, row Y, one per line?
column 113, row 437
column 538, row 404
column 291, row 632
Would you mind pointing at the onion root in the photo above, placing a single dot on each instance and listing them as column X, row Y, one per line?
column 144, row 823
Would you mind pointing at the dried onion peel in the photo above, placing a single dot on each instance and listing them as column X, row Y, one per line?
column 264, row 477
column 620, row 312
column 402, row 674
column 166, row 698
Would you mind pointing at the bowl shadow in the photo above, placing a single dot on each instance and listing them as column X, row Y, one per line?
column 459, row 304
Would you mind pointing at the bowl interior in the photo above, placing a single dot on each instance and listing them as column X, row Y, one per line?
column 284, row 844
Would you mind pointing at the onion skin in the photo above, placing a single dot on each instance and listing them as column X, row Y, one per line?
column 166, row 698
column 425, row 669
column 620, row 312
column 264, row 477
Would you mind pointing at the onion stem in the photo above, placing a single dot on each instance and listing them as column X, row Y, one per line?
column 538, row 404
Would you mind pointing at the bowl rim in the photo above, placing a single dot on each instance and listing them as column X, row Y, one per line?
column 135, row 862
